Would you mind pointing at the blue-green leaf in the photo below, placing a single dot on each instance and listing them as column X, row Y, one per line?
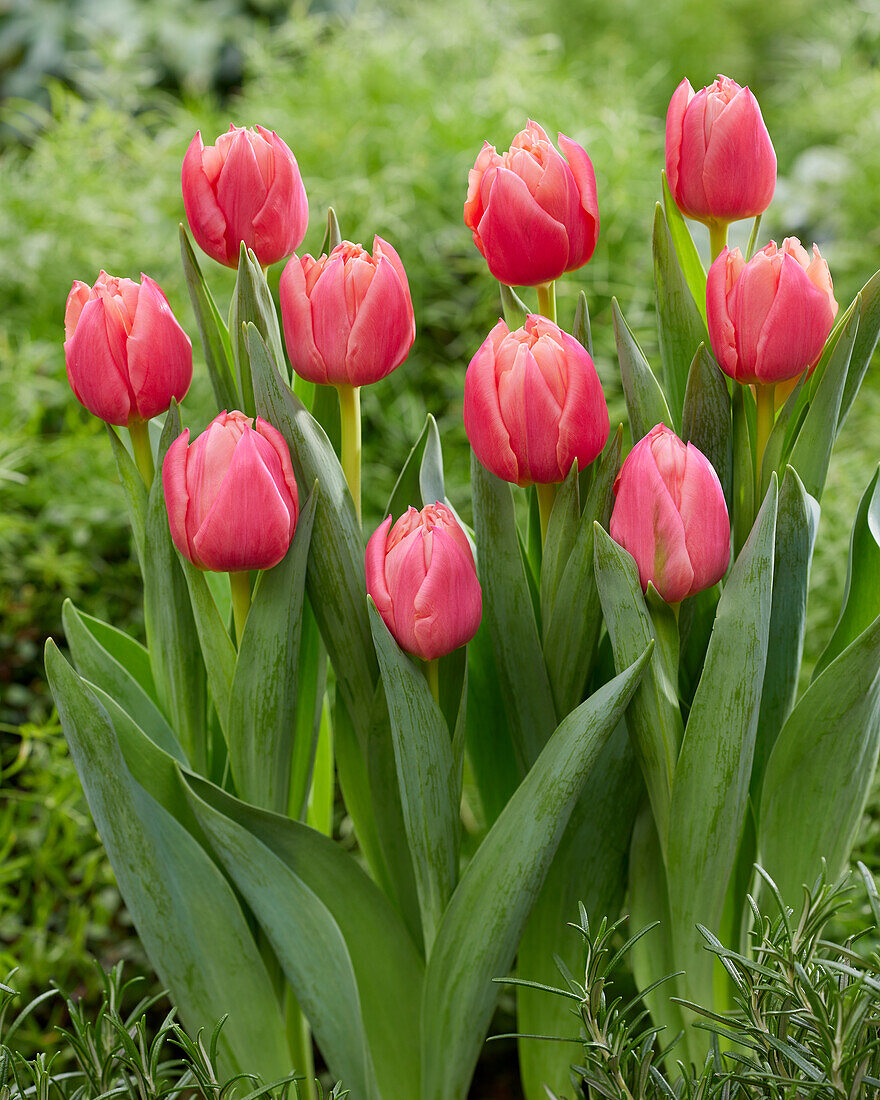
column 863, row 346
column 685, row 249
column 514, row 309
column 706, row 419
column 252, row 304
column 645, row 400
column 218, row 652
column 213, row 332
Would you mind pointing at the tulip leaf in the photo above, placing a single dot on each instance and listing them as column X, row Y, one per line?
column 571, row 636
column 861, row 595
column 426, row 776
column 653, row 717
column 185, row 912
column 252, row 304
column 581, row 329
column 711, row 786
column 423, row 470
column 685, row 249
column 262, row 703
column 484, row 922
column 325, row 409
column 345, row 952
column 645, row 400
column 562, row 530
column 706, row 418
column 863, row 345
column 335, row 575
column 779, row 441
column 509, row 612
column 743, row 509
column 681, row 325
column 136, row 495
column 589, row 868
column 213, row 332
column 513, row 307
column 431, row 480
column 309, row 726
column 820, row 772
column 332, row 234
column 218, row 651
column 796, row 525
column 811, row 453
column 133, row 657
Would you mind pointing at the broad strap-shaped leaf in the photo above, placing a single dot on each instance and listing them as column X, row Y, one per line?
column 422, row 475
column 483, row 924
column 571, row 635
column 352, row 965
column 706, row 419
column 743, row 468
column 252, row 304
column 133, row 657
column 711, row 787
column 136, row 496
column 681, row 325
column 426, row 776
column 861, row 595
column 311, row 679
column 685, row 249
column 863, row 346
column 562, row 530
column 796, row 525
column 513, row 307
column 262, row 706
column 589, row 867
column 581, row 329
column 811, row 453
column 213, row 332
column 820, row 771
column 645, row 400
column 509, row 613
column 782, row 436
column 653, row 716
column 186, row 914
column 335, row 576
column 218, row 650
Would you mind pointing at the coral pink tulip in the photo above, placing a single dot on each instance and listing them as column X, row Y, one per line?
column 125, row 353
column 769, row 318
column 533, row 403
column 422, row 578
column 670, row 514
column 720, row 162
column 348, row 317
column 244, row 188
column 533, row 214
column 232, row 498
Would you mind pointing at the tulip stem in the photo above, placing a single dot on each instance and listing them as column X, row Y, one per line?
column 139, row 430
column 350, row 417
column 765, row 399
column 546, row 498
column 240, row 586
column 717, row 238
column 547, row 301
column 432, row 675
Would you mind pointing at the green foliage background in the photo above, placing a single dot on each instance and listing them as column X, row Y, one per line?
column 385, row 106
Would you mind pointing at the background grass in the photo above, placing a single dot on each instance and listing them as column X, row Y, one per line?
column 386, row 106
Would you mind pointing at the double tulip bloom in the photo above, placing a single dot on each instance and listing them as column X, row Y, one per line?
column 422, row 578
column 533, row 404
column 533, row 214
column 232, row 498
column 720, row 162
column 769, row 318
column 244, row 188
column 348, row 316
column 125, row 353
column 670, row 514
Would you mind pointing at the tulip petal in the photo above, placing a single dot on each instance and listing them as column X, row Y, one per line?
column 681, row 97
column 739, row 169
column 241, row 194
column 749, row 303
column 383, row 248
column 448, row 606
column 532, row 414
column 206, row 219
column 283, row 473
column 159, row 353
column 296, row 316
column 76, row 299
column 382, row 333
column 405, row 571
column 522, row 244
column 374, row 561
column 584, row 423
column 691, row 188
column 208, row 460
column 96, row 366
column 281, row 222
column 330, row 325
column 722, row 333
column 796, row 326
column 706, row 522
column 583, row 224
column 177, row 501
column 483, row 424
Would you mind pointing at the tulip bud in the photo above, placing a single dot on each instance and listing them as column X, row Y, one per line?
column 670, row 514
column 720, row 162
column 533, row 214
column 125, row 353
column 769, row 318
column 348, row 317
column 246, row 187
column 533, row 403
column 422, row 578
column 231, row 497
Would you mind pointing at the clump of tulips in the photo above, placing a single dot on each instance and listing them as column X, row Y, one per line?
column 612, row 693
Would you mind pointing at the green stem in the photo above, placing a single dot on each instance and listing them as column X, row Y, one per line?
column 299, row 1043
column 765, row 398
column 240, row 586
column 139, row 430
column 546, row 497
column 547, row 301
column 717, row 238
column 432, row 675
column 350, row 418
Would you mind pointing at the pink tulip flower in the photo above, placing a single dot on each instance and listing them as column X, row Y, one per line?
column 232, row 498
column 422, row 578
column 125, row 353
column 720, row 162
column 769, row 318
column 246, row 187
column 670, row 514
column 348, row 317
column 533, row 404
column 533, row 214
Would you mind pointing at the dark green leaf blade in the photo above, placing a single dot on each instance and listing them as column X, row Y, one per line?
column 645, row 400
